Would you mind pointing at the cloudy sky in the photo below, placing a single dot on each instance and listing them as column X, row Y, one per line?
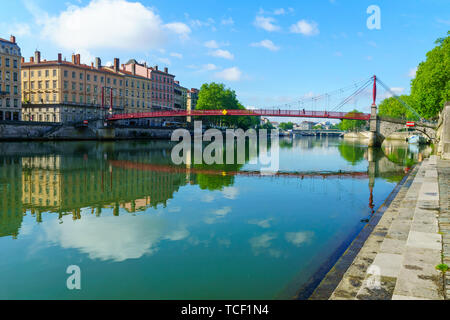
column 270, row 52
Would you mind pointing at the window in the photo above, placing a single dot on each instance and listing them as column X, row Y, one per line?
column 32, row 84
column 15, row 64
column 47, row 73
column 7, row 62
column 16, row 91
column 95, row 78
column 66, row 98
column 66, row 74
column 54, row 84
column 66, row 84
column 108, row 80
column 32, row 74
column 74, row 98
column 81, row 76
column 54, row 73
column 73, row 86
column 39, row 73
column 73, row 74
column 47, row 84
column 25, row 85
column 81, row 87
column 88, row 77
column 39, row 84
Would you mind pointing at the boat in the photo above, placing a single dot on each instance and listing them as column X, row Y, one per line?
column 415, row 139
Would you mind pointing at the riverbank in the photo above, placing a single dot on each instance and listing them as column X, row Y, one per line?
column 396, row 254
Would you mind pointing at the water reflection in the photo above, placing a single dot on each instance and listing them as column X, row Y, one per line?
column 126, row 202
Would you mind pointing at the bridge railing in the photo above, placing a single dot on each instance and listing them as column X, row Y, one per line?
column 256, row 112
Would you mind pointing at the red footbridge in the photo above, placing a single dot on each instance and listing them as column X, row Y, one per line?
column 255, row 113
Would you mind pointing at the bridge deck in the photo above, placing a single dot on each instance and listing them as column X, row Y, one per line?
column 254, row 113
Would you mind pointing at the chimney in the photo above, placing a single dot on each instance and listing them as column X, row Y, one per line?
column 166, row 70
column 78, row 59
column 116, row 64
column 156, row 68
column 98, row 63
column 133, row 69
column 12, row 39
column 37, row 57
column 59, row 57
column 74, row 59
column 32, row 59
column 92, row 65
column 23, row 60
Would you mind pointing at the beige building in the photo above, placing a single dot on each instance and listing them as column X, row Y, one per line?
column 137, row 90
column 180, row 94
column 63, row 91
column 191, row 104
column 10, row 96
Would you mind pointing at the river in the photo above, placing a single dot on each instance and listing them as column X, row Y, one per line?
column 139, row 227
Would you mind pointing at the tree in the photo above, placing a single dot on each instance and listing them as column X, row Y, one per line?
column 215, row 96
column 391, row 107
column 431, row 87
column 286, row 126
column 352, row 125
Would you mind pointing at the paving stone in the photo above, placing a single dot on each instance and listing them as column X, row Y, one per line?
column 394, row 246
column 388, row 264
column 424, row 240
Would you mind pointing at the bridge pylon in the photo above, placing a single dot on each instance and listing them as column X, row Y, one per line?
column 375, row 139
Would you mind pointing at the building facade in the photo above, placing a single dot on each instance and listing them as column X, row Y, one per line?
column 191, row 103
column 180, row 96
column 162, row 84
column 63, row 91
column 10, row 93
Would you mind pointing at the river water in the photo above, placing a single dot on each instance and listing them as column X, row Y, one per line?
column 139, row 227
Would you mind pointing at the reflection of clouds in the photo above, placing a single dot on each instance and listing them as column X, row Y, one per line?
column 174, row 209
column 114, row 238
column 218, row 214
column 208, row 198
column 299, row 238
column 230, row 192
column 261, row 223
column 262, row 243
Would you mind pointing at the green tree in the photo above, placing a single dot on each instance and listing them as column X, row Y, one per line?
column 430, row 89
column 391, row 107
column 286, row 126
column 352, row 125
column 215, row 96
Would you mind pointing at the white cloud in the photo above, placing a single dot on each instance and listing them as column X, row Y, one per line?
column 107, row 24
column 307, row 28
column 266, row 23
column 268, row 44
column 299, row 238
column 219, row 53
column 412, row 73
column 230, row 74
column 196, row 23
column 228, row 21
column 165, row 61
column 209, row 67
column 176, row 55
column 19, row 29
column 212, row 44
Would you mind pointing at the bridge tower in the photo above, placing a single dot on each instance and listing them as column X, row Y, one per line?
column 375, row 140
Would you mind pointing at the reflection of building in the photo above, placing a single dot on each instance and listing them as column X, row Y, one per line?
column 10, row 101
column 11, row 212
column 67, row 184
column 306, row 125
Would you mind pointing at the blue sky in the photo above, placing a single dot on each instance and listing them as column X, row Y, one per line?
column 270, row 52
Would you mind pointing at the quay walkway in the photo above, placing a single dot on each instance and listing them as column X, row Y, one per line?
column 396, row 254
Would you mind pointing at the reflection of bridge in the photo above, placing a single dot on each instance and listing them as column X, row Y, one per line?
column 319, row 133
column 124, row 164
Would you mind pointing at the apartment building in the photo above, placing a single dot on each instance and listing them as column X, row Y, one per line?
column 180, row 96
column 162, row 84
column 137, row 89
column 191, row 103
column 10, row 95
column 68, row 91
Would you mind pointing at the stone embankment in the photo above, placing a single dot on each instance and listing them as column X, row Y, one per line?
column 404, row 251
column 93, row 131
